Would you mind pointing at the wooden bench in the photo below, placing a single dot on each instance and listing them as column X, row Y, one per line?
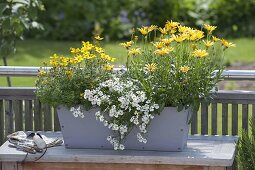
column 202, row 153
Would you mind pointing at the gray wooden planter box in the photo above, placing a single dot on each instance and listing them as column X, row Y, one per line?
column 167, row 132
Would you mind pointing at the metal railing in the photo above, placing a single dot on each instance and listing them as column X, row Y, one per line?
column 225, row 115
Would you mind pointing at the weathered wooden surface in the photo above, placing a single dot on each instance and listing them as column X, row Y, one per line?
column 215, row 151
column 96, row 166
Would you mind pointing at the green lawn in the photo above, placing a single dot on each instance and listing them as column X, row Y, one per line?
column 35, row 52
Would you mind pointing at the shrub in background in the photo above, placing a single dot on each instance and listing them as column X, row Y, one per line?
column 246, row 148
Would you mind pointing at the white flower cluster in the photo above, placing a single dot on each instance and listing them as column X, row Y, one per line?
column 124, row 102
column 77, row 112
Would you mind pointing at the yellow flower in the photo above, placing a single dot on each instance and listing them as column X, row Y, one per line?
column 184, row 69
column 227, row 44
column 144, row 30
column 127, row 44
column 54, row 60
column 98, row 38
column 152, row 28
column 108, row 67
column 78, row 58
column 208, row 43
column 86, row 46
column 196, row 35
column 163, row 30
column 184, row 29
column 42, row 73
column 134, row 51
column 99, row 50
column 107, row 57
column 209, row 28
column 167, row 41
column 159, row 45
column 170, row 25
column 150, row 67
column 215, row 38
column 74, row 50
column 179, row 38
column 69, row 74
column 164, row 51
column 199, row 53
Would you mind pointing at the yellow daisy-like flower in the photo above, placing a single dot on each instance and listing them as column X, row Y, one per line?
column 75, row 50
column 171, row 25
column 208, row 43
column 54, row 60
column 99, row 50
column 98, row 38
column 108, row 67
column 196, row 35
column 215, row 38
column 134, row 51
column 41, row 72
column 227, row 44
column 152, row 28
column 209, row 28
column 127, row 44
column 199, row 53
column 164, row 51
column 144, row 30
column 184, row 69
column 159, row 45
column 167, row 41
column 184, row 29
column 150, row 67
column 86, row 46
column 179, row 38
column 163, row 30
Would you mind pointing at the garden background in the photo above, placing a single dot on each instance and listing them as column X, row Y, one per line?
column 66, row 23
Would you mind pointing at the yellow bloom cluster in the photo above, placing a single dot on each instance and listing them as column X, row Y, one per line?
column 88, row 51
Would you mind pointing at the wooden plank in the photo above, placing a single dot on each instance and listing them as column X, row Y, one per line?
column 1, row 122
column 235, row 95
column 224, row 119
column 56, row 121
column 37, row 115
column 8, row 117
column 28, row 115
column 236, row 101
column 194, row 123
column 9, row 166
column 214, row 118
column 204, row 118
column 47, row 118
column 111, row 166
column 245, row 116
column 234, row 119
column 218, row 151
column 17, row 109
column 19, row 93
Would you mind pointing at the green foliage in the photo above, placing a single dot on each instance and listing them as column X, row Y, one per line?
column 246, row 149
column 118, row 17
column 16, row 16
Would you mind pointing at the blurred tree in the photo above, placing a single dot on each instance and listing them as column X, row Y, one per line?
column 16, row 16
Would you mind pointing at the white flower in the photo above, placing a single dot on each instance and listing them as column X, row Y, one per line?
column 77, row 112
column 121, row 147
